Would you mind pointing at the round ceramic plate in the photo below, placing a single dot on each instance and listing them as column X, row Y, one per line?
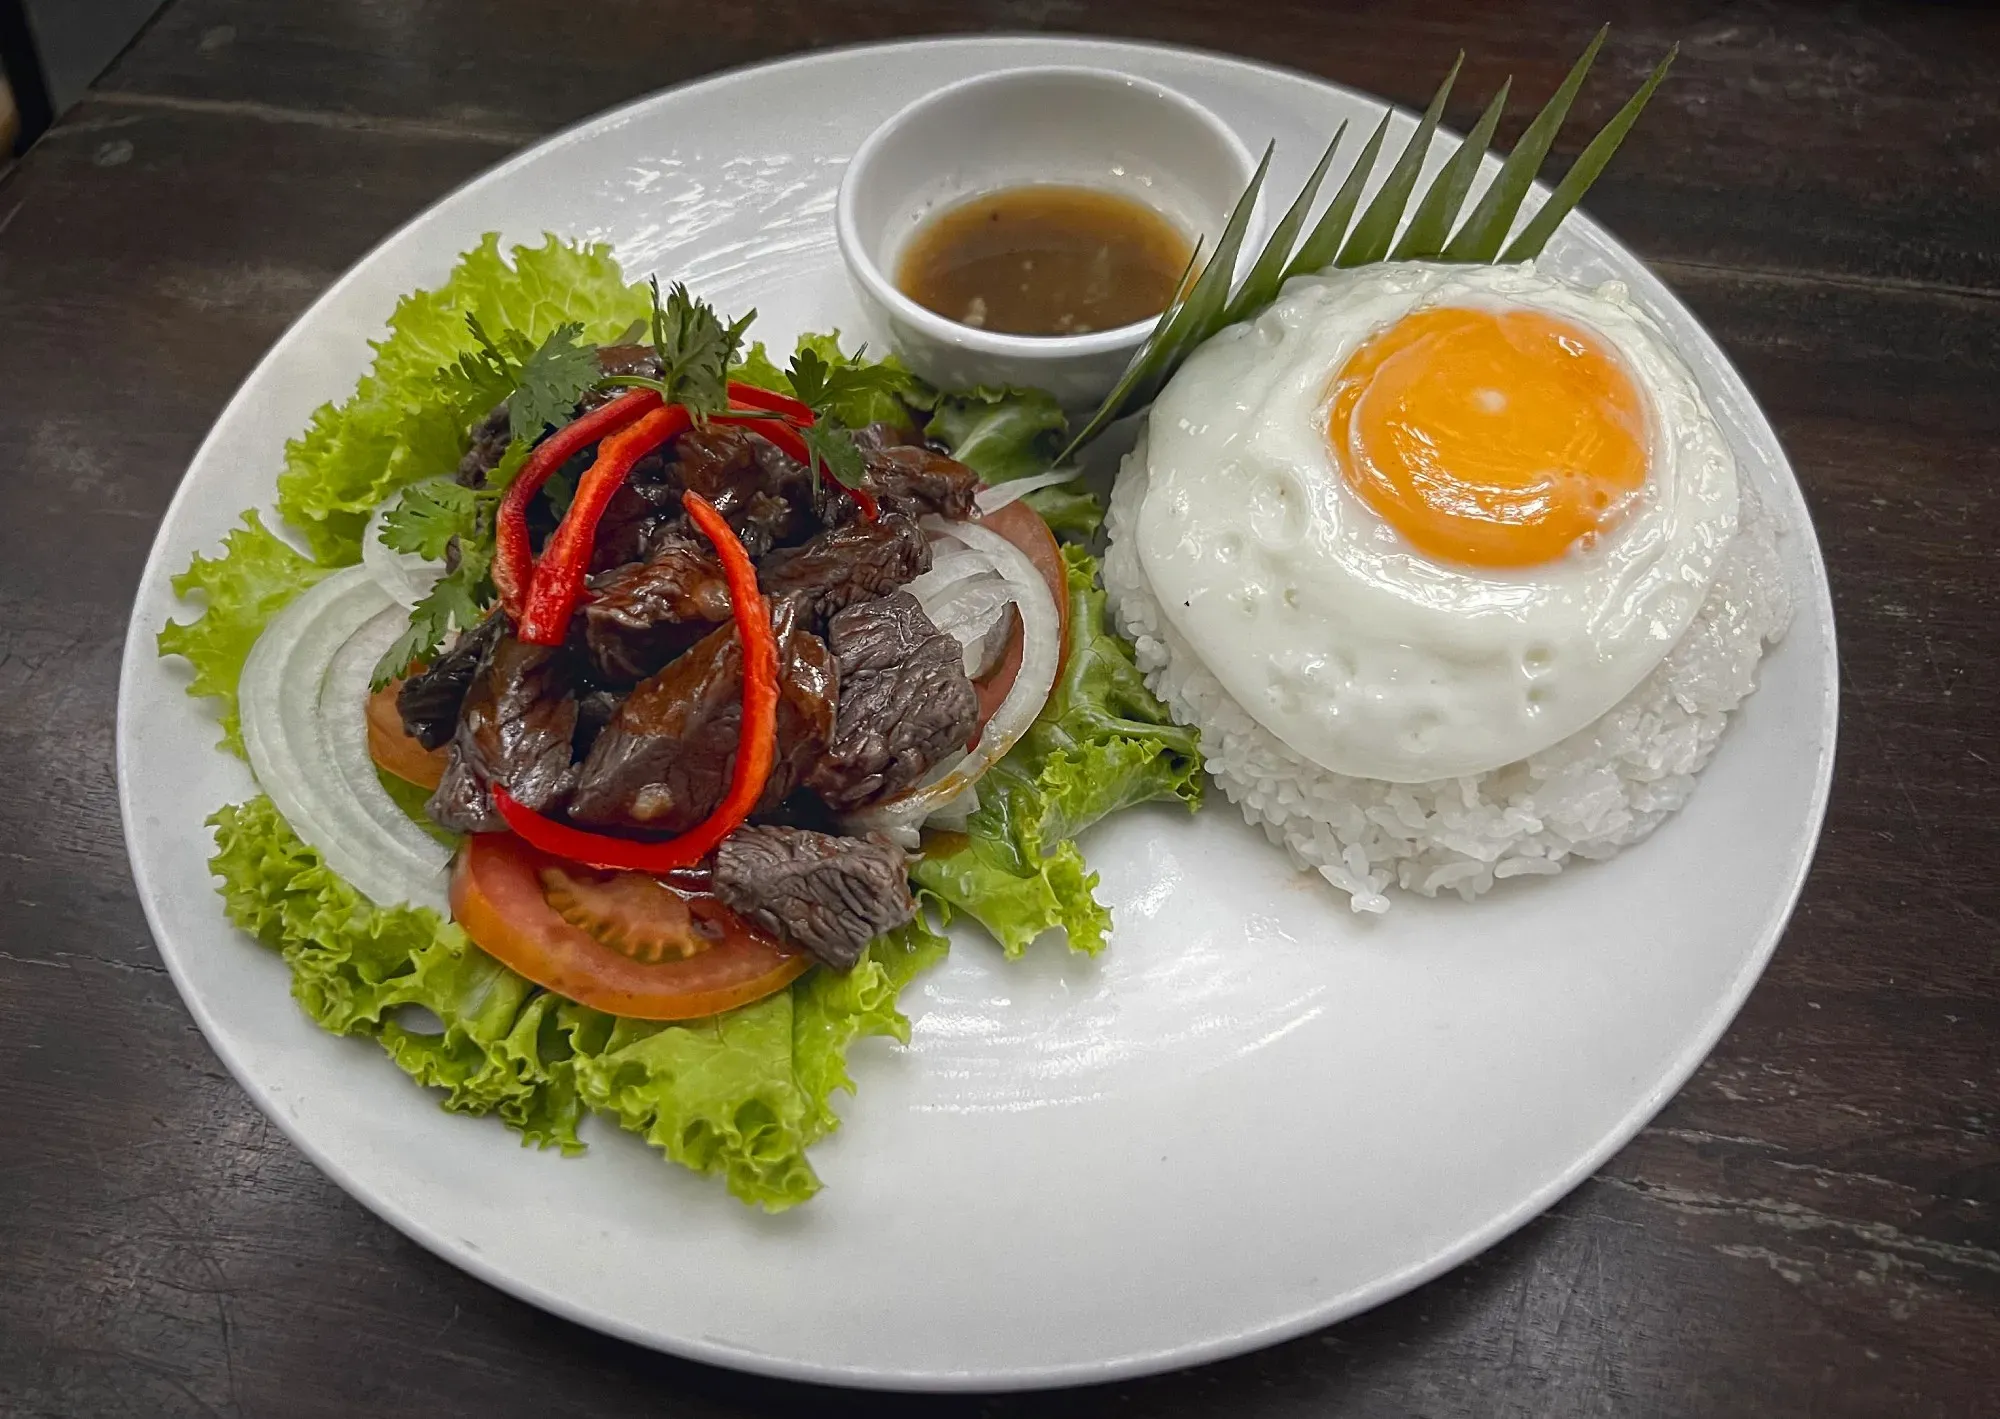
column 1257, row 1113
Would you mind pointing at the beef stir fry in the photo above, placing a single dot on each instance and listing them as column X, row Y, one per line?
column 632, row 723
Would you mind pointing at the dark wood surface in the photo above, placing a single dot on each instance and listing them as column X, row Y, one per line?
column 1811, row 1227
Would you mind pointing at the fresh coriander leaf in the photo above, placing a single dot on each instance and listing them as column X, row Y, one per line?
column 457, row 602
column 827, row 388
column 832, row 387
column 429, row 515
column 695, row 349
column 810, row 374
column 486, row 374
column 540, row 384
column 888, row 394
column 831, row 444
column 895, row 396
column 551, row 381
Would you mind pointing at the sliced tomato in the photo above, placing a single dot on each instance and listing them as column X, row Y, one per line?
column 393, row 749
column 620, row 942
column 1023, row 526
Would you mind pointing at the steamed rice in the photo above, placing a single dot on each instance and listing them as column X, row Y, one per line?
column 1604, row 787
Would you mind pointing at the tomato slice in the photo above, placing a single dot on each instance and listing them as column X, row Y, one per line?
column 1023, row 526
column 396, row 751
column 622, row 942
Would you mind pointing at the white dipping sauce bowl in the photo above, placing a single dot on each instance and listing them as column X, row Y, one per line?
column 1043, row 126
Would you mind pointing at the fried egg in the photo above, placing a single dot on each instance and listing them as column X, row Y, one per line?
column 1423, row 521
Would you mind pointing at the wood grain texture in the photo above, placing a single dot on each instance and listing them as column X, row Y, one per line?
column 1811, row 1227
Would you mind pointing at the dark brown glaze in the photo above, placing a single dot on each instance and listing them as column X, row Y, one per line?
column 641, row 615
column 915, row 480
column 663, row 762
column 515, row 730
column 430, row 700
column 765, row 496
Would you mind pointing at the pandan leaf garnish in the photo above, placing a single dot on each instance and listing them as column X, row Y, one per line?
column 1206, row 307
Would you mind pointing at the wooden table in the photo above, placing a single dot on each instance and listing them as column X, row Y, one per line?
column 1812, row 1226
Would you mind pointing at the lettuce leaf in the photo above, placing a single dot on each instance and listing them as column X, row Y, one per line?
column 745, row 1094
column 1000, row 433
column 1073, row 512
column 911, row 394
column 1103, row 743
column 1004, row 433
column 741, row 1095
column 404, row 421
column 355, row 966
column 244, row 588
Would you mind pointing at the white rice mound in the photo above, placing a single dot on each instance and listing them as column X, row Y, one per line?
column 1603, row 788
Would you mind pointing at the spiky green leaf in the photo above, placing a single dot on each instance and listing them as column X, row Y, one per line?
column 1205, row 310
column 1316, row 253
column 1589, row 164
column 1269, row 271
column 1431, row 226
column 1199, row 313
column 1485, row 231
column 1195, row 315
column 1370, row 238
column 1121, row 401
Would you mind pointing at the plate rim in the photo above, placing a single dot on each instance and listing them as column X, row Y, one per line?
column 139, row 650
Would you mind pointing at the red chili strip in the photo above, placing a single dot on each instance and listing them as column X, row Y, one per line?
column 558, row 579
column 513, row 558
column 756, row 744
column 749, row 396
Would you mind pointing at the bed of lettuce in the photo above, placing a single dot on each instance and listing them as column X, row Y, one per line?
column 743, row 1094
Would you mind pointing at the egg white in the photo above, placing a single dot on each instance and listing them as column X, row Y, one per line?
column 1362, row 654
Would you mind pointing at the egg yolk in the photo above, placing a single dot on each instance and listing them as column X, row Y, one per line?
column 1498, row 438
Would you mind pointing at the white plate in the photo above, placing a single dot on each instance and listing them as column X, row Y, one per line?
column 1255, row 1115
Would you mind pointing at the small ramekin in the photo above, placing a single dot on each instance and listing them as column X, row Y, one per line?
column 1073, row 126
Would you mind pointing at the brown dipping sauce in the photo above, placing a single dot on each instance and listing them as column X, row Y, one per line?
column 1045, row 260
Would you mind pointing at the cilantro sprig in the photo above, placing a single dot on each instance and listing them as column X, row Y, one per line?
column 440, row 519
column 541, row 384
column 826, row 387
column 695, row 348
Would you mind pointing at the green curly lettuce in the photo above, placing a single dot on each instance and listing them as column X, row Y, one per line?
column 742, row 1095
column 253, row 579
column 746, row 1093
column 406, row 420
column 1102, row 743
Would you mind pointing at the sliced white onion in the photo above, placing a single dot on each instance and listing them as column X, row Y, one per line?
column 406, row 577
column 1041, row 630
column 984, row 655
column 965, row 596
column 1000, row 494
column 303, row 701
column 950, row 568
column 975, row 615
